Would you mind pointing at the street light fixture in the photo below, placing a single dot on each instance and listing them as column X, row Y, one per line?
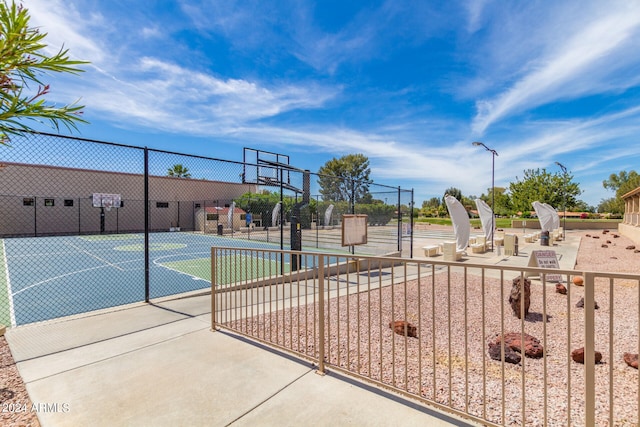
column 564, row 194
column 494, row 153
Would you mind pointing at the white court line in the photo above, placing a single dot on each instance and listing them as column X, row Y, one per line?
column 50, row 279
column 12, row 312
column 70, row 274
column 94, row 256
column 156, row 262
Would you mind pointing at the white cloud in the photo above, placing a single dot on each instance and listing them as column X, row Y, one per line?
column 572, row 65
column 67, row 27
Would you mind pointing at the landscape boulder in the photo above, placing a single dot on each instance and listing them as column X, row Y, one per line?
column 631, row 359
column 513, row 342
column 578, row 280
column 402, row 327
column 580, row 304
column 561, row 289
column 578, row 355
column 518, row 294
column 510, row 355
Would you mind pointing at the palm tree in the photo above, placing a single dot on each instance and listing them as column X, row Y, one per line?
column 178, row 171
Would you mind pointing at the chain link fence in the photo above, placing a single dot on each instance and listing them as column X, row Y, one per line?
column 88, row 225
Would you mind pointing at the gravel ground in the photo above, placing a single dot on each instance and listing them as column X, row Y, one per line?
column 15, row 405
column 451, row 336
column 433, row 364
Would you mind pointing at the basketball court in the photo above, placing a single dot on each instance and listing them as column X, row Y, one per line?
column 49, row 277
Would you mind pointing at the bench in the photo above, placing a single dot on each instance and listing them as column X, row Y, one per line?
column 450, row 252
column 431, row 250
column 479, row 246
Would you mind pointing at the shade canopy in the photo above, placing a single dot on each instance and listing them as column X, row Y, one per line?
column 232, row 209
column 555, row 216
column 486, row 218
column 275, row 214
column 460, row 220
column 327, row 215
column 545, row 215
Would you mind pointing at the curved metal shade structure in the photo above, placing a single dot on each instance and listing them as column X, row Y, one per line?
column 460, row 220
column 230, row 213
column 555, row 216
column 486, row 218
column 275, row 214
column 545, row 216
column 327, row 215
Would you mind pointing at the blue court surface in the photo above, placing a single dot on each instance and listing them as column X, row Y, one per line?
column 52, row 277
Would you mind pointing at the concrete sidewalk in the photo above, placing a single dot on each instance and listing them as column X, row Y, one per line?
column 159, row 364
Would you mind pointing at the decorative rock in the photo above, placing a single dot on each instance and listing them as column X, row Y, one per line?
column 587, row 235
column 561, row 289
column 636, row 251
column 510, row 356
column 631, row 359
column 605, row 231
column 604, row 246
column 578, row 356
column 580, row 304
column 609, row 242
column 578, row 280
column 402, row 327
column 517, row 293
column 630, row 247
column 513, row 341
column 615, row 236
column 596, row 237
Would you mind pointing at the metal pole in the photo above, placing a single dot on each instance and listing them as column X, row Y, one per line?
column 493, row 197
column 411, row 225
column 494, row 153
column 147, row 287
column 564, row 194
column 399, row 222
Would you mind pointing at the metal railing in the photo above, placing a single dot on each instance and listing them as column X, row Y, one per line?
column 452, row 322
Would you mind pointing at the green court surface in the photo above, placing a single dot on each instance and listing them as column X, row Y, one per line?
column 5, row 315
column 252, row 268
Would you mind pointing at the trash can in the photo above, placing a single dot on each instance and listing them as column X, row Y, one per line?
column 515, row 246
column 220, row 228
column 544, row 238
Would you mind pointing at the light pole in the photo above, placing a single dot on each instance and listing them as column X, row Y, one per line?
column 564, row 196
column 494, row 153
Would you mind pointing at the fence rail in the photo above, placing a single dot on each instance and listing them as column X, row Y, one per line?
column 444, row 333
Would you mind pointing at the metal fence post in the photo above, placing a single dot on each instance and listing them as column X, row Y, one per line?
column 589, row 349
column 321, row 314
column 399, row 221
column 213, row 289
column 147, row 290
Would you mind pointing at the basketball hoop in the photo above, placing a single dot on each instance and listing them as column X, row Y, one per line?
column 106, row 201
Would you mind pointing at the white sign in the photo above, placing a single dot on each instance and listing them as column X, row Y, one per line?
column 354, row 230
column 545, row 259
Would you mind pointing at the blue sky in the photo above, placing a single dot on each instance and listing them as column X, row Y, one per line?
column 409, row 84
